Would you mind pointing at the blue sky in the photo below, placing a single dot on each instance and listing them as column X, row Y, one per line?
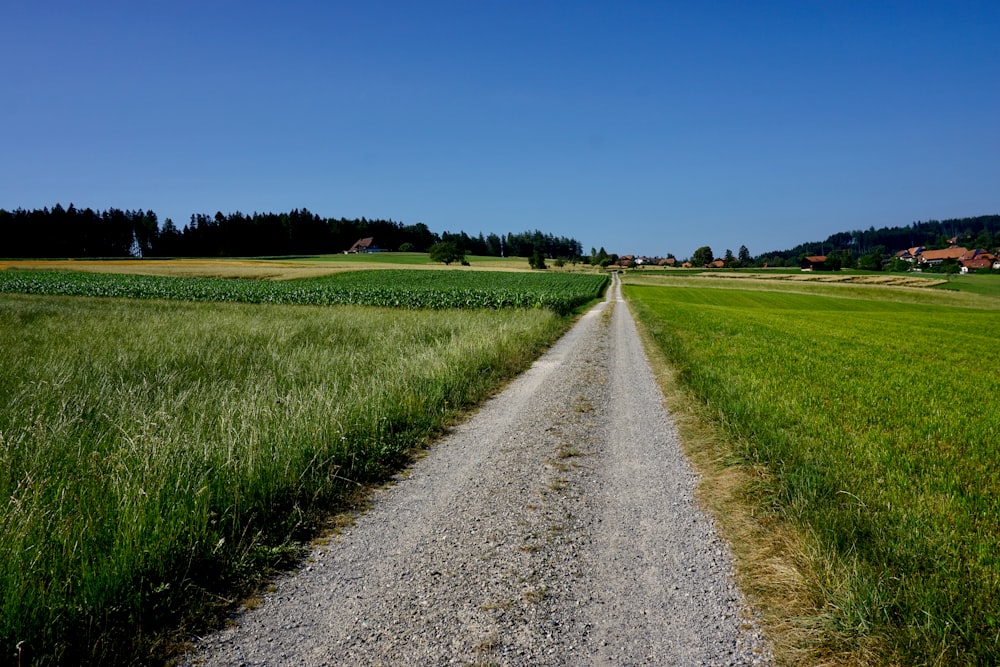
column 642, row 127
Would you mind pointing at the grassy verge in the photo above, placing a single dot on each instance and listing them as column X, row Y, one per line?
column 866, row 426
column 151, row 451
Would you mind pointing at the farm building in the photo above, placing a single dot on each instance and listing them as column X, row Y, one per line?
column 974, row 260
column 910, row 254
column 932, row 257
column 814, row 263
column 363, row 245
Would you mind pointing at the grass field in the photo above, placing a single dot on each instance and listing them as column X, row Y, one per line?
column 976, row 283
column 415, row 260
column 154, row 453
column 984, row 285
column 279, row 268
column 185, row 268
column 980, row 292
column 867, row 418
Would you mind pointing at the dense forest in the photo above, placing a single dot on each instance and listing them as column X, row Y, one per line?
column 854, row 247
column 70, row 232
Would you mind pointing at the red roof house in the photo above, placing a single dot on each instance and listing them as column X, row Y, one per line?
column 364, row 245
column 937, row 256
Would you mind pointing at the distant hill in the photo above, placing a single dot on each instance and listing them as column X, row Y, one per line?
column 979, row 232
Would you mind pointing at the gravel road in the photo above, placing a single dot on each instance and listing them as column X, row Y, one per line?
column 556, row 526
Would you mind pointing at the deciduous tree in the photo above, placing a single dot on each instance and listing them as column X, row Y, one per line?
column 702, row 256
column 446, row 252
column 537, row 260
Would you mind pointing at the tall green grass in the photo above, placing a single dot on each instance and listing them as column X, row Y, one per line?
column 152, row 449
column 877, row 421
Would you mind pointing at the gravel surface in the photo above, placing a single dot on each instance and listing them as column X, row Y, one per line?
column 556, row 526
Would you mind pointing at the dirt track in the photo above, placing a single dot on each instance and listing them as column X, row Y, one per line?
column 555, row 527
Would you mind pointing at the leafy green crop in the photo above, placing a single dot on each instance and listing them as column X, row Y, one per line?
column 400, row 288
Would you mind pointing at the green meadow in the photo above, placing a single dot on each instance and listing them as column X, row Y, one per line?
column 155, row 454
column 874, row 413
column 413, row 260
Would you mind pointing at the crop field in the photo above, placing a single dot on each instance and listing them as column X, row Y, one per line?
column 874, row 415
column 155, row 452
column 183, row 268
column 397, row 288
column 276, row 268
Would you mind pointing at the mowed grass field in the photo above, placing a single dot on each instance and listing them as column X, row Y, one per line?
column 156, row 453
column 866, row 420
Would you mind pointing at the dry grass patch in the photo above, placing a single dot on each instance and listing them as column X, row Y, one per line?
column 185, row 268
column 534, row 594
column 891, row 280
column 284, row 268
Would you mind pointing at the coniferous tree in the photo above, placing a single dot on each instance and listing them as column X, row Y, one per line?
column 744, row 256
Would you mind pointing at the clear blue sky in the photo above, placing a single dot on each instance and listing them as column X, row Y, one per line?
column 643, row 127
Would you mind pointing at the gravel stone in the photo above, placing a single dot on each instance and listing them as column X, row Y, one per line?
column 556, row 526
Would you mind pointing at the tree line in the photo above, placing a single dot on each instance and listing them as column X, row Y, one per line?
column 524, row 244
column 870, row 248
column 72, row 232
